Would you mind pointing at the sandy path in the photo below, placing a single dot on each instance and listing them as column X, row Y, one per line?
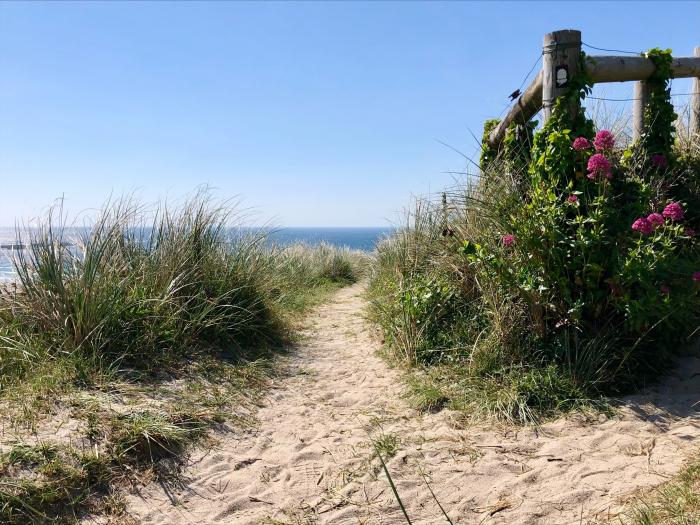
column 310, row 459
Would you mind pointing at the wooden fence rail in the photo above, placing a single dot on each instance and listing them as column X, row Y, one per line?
column 561, row 50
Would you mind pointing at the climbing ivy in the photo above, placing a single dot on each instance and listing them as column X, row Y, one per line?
column 659, row 116
column 551, row 153
column 517, row 144
column 488, row 152
column 597, row 253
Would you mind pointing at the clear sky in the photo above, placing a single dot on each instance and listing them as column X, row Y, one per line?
column 313, row 113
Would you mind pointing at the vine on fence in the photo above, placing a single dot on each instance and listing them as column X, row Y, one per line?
column 590, row 245
column 654, row 151
column 488, row 152
column 517, row 145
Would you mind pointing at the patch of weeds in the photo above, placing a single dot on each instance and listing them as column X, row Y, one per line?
column 27, row 455
column 676, row 502
column 424, row 393
column 48, row 483
column 151, row 436
column 306, row 371
column 225, row 390
column 387, row 445
column 513, row 394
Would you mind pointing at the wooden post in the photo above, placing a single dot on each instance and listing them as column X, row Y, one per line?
column 641, row 97
column 561, row 50
column 525, row 107
column 695, row 102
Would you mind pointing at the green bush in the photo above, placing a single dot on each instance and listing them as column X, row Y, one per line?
column 569, row 270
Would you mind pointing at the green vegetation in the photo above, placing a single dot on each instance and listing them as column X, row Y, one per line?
column 676, row 502
column 386, row 445
column 567, row 272
column 47, row 483
column 147, row 330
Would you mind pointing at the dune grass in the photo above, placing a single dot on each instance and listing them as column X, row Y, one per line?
column 147, row 329
column 527, row 332
column 461, row 343
column 676, row 502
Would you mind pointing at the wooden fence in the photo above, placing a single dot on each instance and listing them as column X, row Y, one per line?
column 561, row 51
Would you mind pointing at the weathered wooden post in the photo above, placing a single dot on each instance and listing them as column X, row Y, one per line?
column 695, row 102
column 641, row 98
column 560, row 50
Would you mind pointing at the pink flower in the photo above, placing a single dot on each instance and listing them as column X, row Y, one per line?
column 688, row 232
column 659, row 161
column 508, row 240
column 665, row 290
column 656, row 219
column 696, row 277
column 581, row 143
column 599, row 165
column 604, row 140
column 643, row 226
column 572, row 199
column 673, row 211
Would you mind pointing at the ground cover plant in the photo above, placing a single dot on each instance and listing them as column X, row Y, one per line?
column 139, row 332
column 568, row 271
column 676, row 502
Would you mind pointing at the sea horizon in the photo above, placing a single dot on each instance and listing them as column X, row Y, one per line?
column 363, row 238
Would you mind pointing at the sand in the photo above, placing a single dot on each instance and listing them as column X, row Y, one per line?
column 310, row 459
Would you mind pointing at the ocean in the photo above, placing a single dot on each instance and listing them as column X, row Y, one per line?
column 363, row 239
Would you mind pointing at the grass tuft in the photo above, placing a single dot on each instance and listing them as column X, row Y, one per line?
column 676, row 502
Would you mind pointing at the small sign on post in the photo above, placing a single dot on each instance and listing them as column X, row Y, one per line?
column 561, row 50
column 562, row 76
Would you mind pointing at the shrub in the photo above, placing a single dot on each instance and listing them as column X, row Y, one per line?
column 572, row 268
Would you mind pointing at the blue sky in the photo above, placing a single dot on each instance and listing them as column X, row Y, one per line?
column 313, row 113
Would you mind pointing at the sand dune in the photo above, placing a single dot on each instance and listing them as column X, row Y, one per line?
column 310, row 459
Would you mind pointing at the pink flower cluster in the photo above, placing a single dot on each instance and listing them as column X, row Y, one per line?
column 673, row 211
column 643, row 226
column 581, row 144
column 573, row 199
column 656, row 219
column 599, row 166
column 604, row 140
column 508, row 240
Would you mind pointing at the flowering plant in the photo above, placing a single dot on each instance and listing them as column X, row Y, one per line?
column 604, row 140
column 599, row 166
column 598, row 247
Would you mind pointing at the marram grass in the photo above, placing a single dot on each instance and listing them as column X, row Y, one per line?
column 179, row 306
